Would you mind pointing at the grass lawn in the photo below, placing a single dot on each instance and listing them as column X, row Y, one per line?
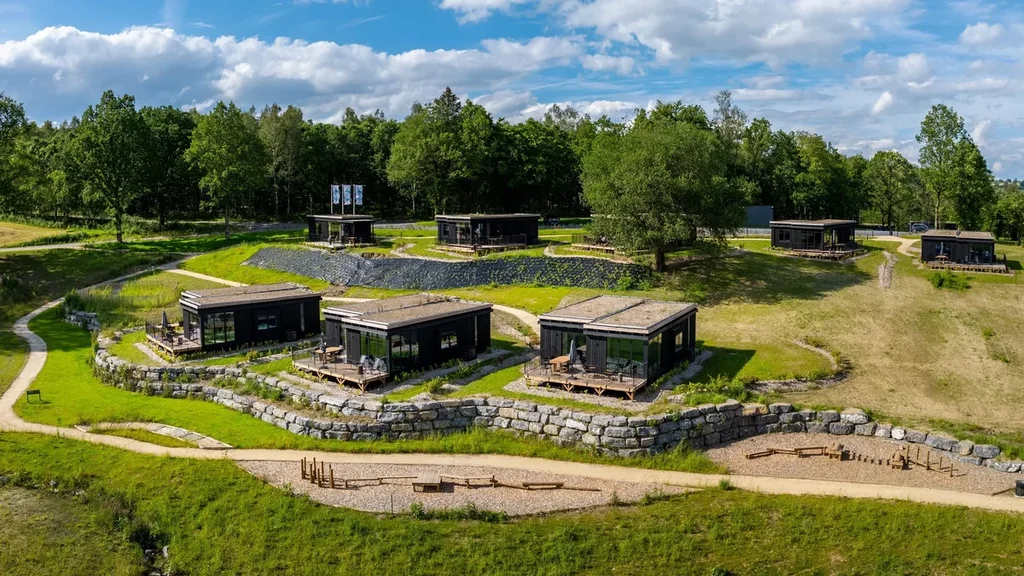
column 761, row 360
column 127, row 350
column 145, row 436
column 72, row 395
column 140, row 300
column 13, row 354
column 227, row 264
column 44, row 533
column 12, row 234
column 204, row 242
column 45, row 275
column 428, row 232
column 218, row 519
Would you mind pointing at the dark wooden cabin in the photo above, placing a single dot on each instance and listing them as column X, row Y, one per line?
column 224, row 318
column 958, row 247
column 621, row 343
column 407, row 333
column 814, row 235
column 341, row 229
column 488, row 229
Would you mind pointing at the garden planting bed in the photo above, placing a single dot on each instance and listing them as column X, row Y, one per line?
column 407, row 273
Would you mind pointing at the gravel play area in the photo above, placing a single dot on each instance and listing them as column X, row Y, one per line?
column 966, row 477
column 399, row 493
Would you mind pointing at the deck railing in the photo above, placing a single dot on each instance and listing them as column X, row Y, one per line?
column 633, row 375
column 335, row 240
column 508, row 240
column 172, row 338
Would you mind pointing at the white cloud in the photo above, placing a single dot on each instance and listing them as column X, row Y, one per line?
column 775, row 32
column 883, row 103
column 980, row 33
column 323, row 77
column 478, row 10
column 602, row 62
column 914, row 68
column 980, row 132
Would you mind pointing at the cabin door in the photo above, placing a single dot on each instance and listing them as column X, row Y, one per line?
column 597, row 354
column 352, row 348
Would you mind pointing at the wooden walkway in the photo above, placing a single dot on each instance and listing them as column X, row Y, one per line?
column 834, row 255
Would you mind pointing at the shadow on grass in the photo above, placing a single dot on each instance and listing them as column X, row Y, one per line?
column 725, row 363
column 759, row 278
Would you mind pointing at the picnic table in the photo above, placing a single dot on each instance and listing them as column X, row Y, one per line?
column 558, row 363
column 427, row 483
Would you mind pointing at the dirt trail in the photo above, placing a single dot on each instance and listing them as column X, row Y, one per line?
column 905, row 244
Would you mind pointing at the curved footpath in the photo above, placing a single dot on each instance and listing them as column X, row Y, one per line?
column 905, row 244
column 11, row 422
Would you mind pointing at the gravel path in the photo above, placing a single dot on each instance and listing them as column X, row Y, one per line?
column 967, row 478
column 399, row 493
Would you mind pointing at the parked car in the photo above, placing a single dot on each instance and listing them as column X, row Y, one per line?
column 918, row 227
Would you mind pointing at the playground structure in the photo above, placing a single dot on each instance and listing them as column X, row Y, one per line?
column 902, row 459
column 322, row 475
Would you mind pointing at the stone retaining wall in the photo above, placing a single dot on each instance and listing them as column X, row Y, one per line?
column 703, row 426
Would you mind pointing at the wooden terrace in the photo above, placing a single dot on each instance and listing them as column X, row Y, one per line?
column 171, row 339
column 995, row 268
column 573, row 378
column 333, row 367
column 838, row 254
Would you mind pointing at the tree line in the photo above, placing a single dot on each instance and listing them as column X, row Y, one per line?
column 668, row 175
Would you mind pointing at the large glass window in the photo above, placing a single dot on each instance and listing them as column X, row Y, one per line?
column 626, row 356
column 680, row 340
column 449, row 340
column 405, row 351
column 373, row 345
column 219, row 328
column 654, row 355
column 567, row 338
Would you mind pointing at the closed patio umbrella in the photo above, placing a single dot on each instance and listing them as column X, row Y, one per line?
column 165, row 324
column 572, row 353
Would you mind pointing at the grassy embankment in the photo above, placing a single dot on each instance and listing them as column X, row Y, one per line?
column 217, row 519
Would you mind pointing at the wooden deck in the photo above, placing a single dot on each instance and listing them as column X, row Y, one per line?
column 342, row 372
column 578, row 381
column 834, row 255
column 997, row 268
column 594, row 248
column 337, row 245
column 175, row 346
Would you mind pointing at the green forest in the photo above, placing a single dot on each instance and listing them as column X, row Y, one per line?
column 671, row 173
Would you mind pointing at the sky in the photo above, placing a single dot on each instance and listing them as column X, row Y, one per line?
column 863, row 73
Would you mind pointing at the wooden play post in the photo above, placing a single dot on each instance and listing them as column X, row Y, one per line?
column 332, row 477
column 303, row 464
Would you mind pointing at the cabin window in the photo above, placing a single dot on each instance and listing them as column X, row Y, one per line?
column 567, row 338
column 266, row 321
column 626, row 355
column 783, row 235
column 680, row 341
column 219, row 328
column 373, row 345
column 405, row 350
column 654, row 355
column 449, row 340
column 444, row 229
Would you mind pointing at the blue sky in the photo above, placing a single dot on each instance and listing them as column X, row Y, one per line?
column 861, row 72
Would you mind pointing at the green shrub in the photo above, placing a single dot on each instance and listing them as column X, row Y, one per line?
column 947, row 280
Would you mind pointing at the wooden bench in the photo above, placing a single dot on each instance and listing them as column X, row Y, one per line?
column 428, row 483
column 31, row 393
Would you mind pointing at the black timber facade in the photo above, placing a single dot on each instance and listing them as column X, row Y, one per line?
column 958, row 247
column 488, row 229
column 814, row 235
column 410, row 332
column 227, row 318
column 340, row 228
column 614, row 335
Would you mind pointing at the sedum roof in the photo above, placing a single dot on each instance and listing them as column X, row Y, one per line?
column 959, row 235
column 401, row 311
column 222, row 297
column 621, row 314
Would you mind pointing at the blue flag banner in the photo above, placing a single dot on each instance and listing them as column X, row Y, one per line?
column 335, row 194
column 346, row 194
column 359, row 194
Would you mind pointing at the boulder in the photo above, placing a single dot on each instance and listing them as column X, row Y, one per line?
column 915, row 436
column 854, row 416
column 864, row 429
column 883, row 431
column 828, row 416
column 898, row 433
column 780, row 408
column 986, row 450
column 941, row 441
column 964, row 447
column 841, row 428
